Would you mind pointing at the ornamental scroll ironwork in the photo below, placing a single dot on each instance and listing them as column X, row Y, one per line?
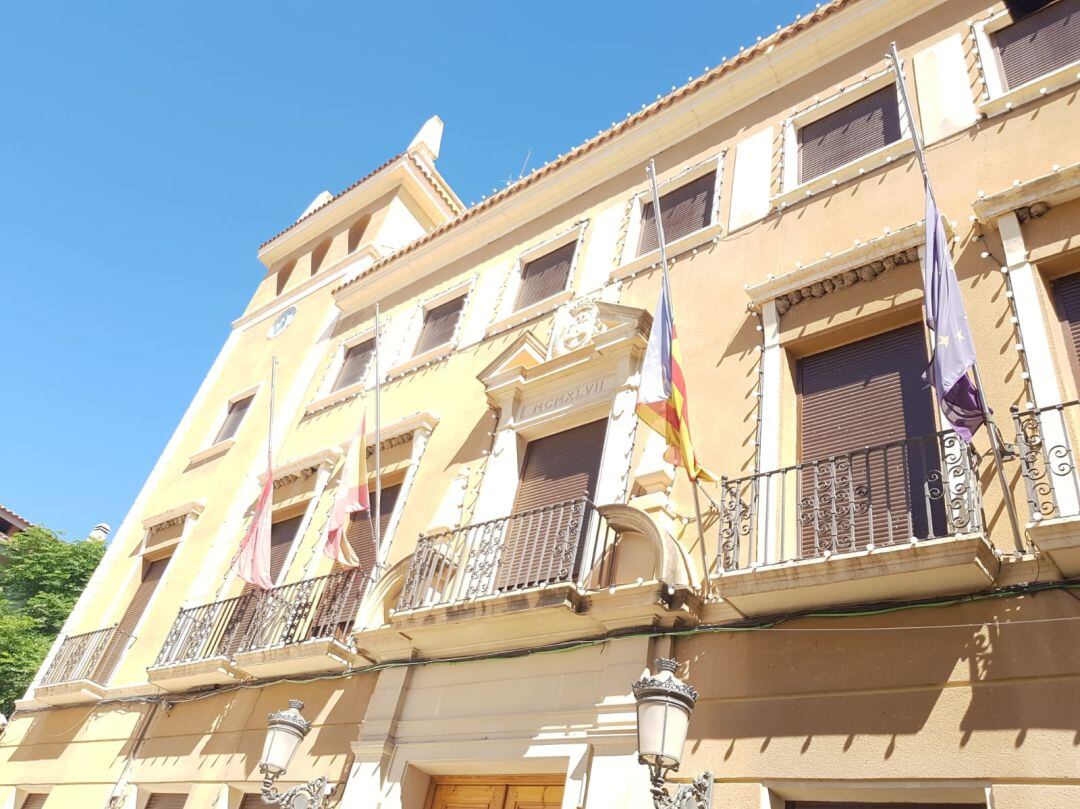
column 1047, row 461
column 916, row 488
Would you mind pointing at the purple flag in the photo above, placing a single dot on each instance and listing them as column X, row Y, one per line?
column 953, row 351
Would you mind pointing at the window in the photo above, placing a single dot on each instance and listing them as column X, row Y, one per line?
column 35, row 800
column 867, row 447
column 166, row 800
column 355, row 363
column 1067, row 302
column 439, row 325
column 857, row 805
column 557, row 468
column 682, row 211
column 850, row 132
column 152, row 573
column 233, row 417
column 545, row 276
column 360, row 534
column 1039, row 43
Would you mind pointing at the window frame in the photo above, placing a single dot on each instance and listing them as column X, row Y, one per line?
column 338, row 365
column 713, row 164
column 411, row 336
column 996, row 97
column 211, row 447
column 791, row 189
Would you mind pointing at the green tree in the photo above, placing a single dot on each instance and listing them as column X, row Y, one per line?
column 41, row 577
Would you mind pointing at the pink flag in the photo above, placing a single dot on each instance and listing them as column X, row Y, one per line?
column 253, row 562
column 352, row 497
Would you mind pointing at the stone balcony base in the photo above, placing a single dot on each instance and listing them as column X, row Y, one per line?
column 309, row 657
column 947, row 566
column 182, row 676
column 1059, row 538
column 69, row 693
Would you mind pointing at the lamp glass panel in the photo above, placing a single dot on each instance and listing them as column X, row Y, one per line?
column 662, row 728
column 279, row 748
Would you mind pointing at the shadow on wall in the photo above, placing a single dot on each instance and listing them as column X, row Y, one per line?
column 884, row 676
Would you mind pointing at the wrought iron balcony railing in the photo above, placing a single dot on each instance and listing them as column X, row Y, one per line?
column 88, row 656
column 917, row 488
column 313, row 609
column 1048, row 459
column 565, row 542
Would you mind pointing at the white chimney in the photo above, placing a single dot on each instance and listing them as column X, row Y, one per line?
column 100, row 532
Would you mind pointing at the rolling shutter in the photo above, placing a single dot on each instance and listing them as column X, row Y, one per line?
column 439, row 325
column 282, row 534
column 684, row 210
column 151, row 577
column 1040, row 43
column 166, row 800
column 1067, row 299
column 545, row 276
column 865, row 398
column 252, row 802
column 826, row 805
column 557, row 468
column 360, row 535
column 34, row 801
column 355, row 363
column 849, row 133
column 236, row 413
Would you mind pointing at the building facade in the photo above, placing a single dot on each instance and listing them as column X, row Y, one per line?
column 863, row 621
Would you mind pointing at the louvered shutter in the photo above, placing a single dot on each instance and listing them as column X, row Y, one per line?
column 439, row 325
column 252, row 802
column 1067, row 300
column 151, row 577
column 557, row 468
column 252, row 605
column 849, row 133
column 545, row 276
column 868, row 394
column 35, row 800
column 355, row 363
column 1040, row 43
column 235, row 415
column 684, row 210
column 359, row 534
column 166, row 800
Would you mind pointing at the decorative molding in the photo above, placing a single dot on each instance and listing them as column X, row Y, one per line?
column 304, row 467
column 173, row 516
column 1034, row 197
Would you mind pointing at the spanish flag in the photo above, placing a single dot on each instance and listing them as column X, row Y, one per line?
column 352, row 497
column 662, row 400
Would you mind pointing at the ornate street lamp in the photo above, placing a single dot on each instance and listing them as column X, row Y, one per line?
column 287, row 729
column 664, row 705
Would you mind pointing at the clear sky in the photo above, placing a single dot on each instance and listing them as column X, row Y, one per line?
column 147, row 149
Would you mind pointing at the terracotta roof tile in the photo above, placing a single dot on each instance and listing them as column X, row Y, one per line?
column 675, row 95
column 14, row 516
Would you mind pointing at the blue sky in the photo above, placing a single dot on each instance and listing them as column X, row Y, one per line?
column 147, row 149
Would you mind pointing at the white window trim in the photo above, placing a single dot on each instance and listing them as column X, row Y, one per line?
column 791, row 190
column 326, row 396
column 212, row 449
column 416, row 361
column 996, row 99
column 675, row 181
column 506, row 316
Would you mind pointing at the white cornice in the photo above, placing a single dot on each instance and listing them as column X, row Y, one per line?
column 1057, row 186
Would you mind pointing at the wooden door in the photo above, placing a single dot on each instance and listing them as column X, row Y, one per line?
column 522, row 792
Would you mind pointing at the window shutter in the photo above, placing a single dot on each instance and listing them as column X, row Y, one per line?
column 282, row 534
column 684, row 210
column 252, row 802
column 359, row 534
column 849, row 133
column 236, row 413
column 35, row 800
column 861, row 395
column 557, row 468
column 850, row 805
column 151, row 577
column 1067, row 300
column 355, row 363
column 544, row 277
column 1040, row 43
column 439, row 325
column 166, row 800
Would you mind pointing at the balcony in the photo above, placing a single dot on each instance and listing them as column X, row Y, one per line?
column 297, row 628
column 538, row 576
column 1045, row 446
column 900, row 519
column 81, row 667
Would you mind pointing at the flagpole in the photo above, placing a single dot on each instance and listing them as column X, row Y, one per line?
column 991, row 425
column 650, row 169
column 378, row 448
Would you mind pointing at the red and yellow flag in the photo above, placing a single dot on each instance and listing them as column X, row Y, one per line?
column 352, row 497
column 662, row 399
